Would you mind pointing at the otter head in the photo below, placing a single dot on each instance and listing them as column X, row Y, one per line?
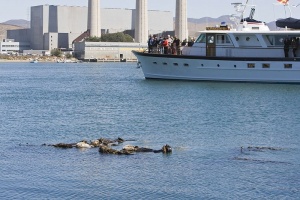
column 167, row 149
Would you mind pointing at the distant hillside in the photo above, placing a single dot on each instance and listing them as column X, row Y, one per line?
column 195, row 25
column 5, row 27
column 18, row 22
column 224, row 18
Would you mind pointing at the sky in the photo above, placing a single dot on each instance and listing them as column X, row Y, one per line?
column 265, row 9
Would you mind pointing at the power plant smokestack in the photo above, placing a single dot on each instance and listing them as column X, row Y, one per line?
column 141, row 23
column 181, row 25
column 94, row 23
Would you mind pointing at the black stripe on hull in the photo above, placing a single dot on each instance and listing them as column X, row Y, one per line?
column 297, row 59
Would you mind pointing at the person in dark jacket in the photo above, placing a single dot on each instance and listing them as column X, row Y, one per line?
column 150, row 44
column 295, row 44
column 286, row 47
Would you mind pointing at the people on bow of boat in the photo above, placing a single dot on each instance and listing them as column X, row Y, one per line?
column 167, row 45
column 162, row 45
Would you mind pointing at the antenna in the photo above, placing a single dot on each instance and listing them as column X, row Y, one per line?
column 240, row 9
column 245, row 8
column 252, row 13
column 288, row 6
column 290, row 10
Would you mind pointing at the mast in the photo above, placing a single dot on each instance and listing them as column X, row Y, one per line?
column 242, row 17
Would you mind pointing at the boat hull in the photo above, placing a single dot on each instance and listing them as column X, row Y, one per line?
column 202, row 68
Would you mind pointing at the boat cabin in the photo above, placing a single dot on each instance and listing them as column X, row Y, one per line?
column 250, row 39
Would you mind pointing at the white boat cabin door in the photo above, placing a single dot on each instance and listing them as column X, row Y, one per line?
column 211, row 44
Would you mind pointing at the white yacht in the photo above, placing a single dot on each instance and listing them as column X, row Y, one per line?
column 246, row 52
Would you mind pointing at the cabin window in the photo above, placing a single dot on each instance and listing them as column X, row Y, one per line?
column 223, row 39
column 220, row 39
column 201, row 38
column 211, row 39
column 271, row 39
column 165, row 63
column 175, row 64
column 155, row 63
column 276, row 40
column 251, row 65
column 288, row 66
column 279, row 40
column 186, row 65
column 265, row 65
column 244, row 40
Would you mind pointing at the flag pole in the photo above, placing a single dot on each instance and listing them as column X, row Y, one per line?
column 244, row 9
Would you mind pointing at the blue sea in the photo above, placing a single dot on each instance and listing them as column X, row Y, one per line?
column 229, row 140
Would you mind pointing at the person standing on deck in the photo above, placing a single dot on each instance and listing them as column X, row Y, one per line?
column 286, row 47
column 150, row 44
column 170, row 42
column 160, row 45
column 166, row 45
column 177, row 45
column 295, row 44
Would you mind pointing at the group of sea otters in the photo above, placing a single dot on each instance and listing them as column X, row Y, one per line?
column 105, row 146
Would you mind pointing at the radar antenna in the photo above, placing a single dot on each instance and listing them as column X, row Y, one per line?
column 252, row 13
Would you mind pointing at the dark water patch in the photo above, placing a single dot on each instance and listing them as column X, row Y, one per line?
column 250, row 148
column 260, row 160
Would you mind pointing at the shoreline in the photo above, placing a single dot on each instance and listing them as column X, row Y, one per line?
column 56, row 61
column 23, row 61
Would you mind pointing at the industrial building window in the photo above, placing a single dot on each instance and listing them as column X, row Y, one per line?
column 288, row 66
column 265, row 65
column 251, row 65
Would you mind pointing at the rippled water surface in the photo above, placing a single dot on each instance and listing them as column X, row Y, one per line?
column 206, row 123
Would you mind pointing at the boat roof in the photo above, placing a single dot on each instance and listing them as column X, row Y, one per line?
column 280, row 32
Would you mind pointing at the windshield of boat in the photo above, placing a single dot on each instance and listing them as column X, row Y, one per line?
column 201, row 38
column 221, row 38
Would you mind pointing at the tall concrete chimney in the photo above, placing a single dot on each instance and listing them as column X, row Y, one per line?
column 181, row 25
column 141, row 23
column 94, row 23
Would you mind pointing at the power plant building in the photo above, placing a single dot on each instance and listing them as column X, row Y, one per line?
column 57, row 26
column 10, row 46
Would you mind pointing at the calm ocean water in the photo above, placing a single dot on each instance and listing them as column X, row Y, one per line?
column 206, row 123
